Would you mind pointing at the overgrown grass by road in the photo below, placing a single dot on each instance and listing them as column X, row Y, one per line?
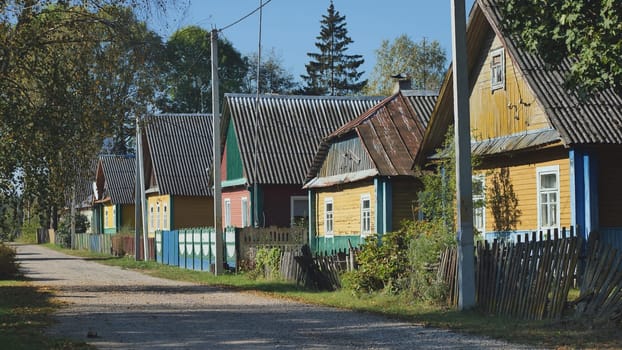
column 552, row 334
column 25, row 311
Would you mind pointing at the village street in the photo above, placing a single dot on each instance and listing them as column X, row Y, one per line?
column 113, row 308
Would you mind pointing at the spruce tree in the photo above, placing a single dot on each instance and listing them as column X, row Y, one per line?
column 331, row 71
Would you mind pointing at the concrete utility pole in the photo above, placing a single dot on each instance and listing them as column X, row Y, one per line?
column 143, row 197
column 218, row 255
column 464, row 197
column 137, row 196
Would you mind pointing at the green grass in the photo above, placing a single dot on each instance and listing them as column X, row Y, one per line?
column 564, row 334
column 25, row 311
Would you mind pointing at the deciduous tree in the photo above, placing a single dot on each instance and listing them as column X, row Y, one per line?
column 424, row 62
column 585, row 32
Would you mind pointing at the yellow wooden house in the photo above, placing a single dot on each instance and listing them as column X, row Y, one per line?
column 558, row 152
column 177, row 150
column 113, row 207
column 361, row 180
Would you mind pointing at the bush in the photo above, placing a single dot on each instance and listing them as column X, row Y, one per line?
column 63, row 233
column 381, row 266
column 403, row 262
column 267, row 263
column 29, row 232
column 8, row 264
column 429, row 239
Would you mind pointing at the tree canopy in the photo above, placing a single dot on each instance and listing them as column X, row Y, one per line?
column 424, row 62
column 69, row 74
column 188, row 73
column 332, row 71
column 587, row 32
column 273, row 77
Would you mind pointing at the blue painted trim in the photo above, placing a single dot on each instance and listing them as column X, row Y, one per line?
column 312, row 220
column 577, row 191
column 584, row 191
column 379, row 219
column 388, row 205
column 590, row 168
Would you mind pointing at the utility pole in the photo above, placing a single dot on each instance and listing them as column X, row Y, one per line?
column 218, row 255
column 137, row 196
column 464, row 198
column 143, row 197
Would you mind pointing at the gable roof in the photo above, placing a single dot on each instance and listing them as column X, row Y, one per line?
column 118, row 174
column 179, row 148
column 391, row 133
column 286, row 131
column 597, row 120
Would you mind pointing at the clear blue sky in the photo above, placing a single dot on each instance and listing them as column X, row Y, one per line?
column 290, row 27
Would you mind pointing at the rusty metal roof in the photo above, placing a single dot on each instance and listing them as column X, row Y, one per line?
column 597, row 120
column 391, row 133
column 118, row 178
column 180, row 148
column 287, row 130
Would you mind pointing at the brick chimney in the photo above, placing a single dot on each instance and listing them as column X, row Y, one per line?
column 402, row 82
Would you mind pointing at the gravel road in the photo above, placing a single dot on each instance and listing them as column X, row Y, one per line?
column 113, row 308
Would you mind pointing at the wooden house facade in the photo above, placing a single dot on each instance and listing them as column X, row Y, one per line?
column 268, row 145
column 557, row 151
column 361, row 181
column 177, row 150
column 113, row 207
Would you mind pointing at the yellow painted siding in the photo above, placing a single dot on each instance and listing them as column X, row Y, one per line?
column 110, row 219
column 346, row 207
column 524, row 180
column 404, row 198
column 128, row 217
column 191, row 212
column 158, row 213
column 503, row 111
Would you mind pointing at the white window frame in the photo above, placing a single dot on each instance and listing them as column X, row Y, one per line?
column 165, row 216
column 365, row 215
column 547, row 170
column 157, row 225
column 246, row 222
column 481, row 211
column 496, row 84
column 291, row 207
column 329, row 220
column 152, row 216
column 227, row 202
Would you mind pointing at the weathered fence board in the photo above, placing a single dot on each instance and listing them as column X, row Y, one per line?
column 287, row 239
column 529, row 279
column 601, row 288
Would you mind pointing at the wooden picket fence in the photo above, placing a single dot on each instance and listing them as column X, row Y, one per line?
column 601, row 288
column 319, row 272
column 529, row 279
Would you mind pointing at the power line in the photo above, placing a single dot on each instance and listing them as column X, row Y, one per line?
column 245, row 17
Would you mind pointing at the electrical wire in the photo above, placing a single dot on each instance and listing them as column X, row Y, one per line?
column 245, row 17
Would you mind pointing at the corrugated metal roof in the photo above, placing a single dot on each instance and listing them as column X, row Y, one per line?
column 289, row 130
column 532, row 139
column 391, row 132
column 119, row 177
column 180, row 147
column 597, row 120
column 526, row 140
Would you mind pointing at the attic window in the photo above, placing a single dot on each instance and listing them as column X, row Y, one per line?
column 497, row 69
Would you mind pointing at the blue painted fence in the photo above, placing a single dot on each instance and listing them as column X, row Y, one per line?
column 194, row 248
